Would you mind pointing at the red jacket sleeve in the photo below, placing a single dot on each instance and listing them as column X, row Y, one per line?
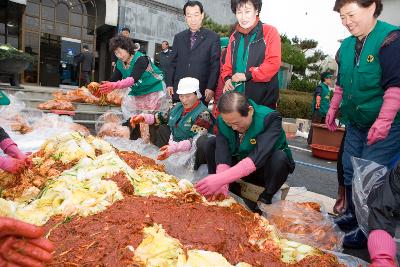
column 227, row 67
column 273, row 54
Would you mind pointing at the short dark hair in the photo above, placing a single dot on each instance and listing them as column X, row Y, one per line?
column 362, row 3
column 125, row 29
column 122, row 42
column 234, row 102
column 85, row 46
column 165, row 42
column 238, row 3
column 192, row 4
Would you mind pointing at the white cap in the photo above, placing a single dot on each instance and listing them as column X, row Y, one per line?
column 189, row 85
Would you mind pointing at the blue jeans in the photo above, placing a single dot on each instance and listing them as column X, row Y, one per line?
column 355, row 145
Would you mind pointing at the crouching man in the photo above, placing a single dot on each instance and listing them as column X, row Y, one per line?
column 250, row 145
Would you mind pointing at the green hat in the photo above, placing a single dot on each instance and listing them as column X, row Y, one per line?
column 224, row 42
column 326, row 75
column 4, row 100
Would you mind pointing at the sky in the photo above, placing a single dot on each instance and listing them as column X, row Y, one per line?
column 312, row 19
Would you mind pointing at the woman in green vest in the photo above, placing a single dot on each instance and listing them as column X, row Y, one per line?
column 135, row 70
column 186, row 120
column 368, row 94
column 320, row 102
column 250, row 145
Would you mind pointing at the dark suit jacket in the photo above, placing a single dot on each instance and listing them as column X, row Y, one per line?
column 201, row 62
column 86, row 58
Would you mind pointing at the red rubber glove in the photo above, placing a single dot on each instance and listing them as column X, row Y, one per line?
column 22, row 244
column 390, row 107
column 212, row 183
column 382, row 249
column 333, row 108
column 147, row 118
column 12, row 165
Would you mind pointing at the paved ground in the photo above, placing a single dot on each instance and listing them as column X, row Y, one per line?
column 317, row 175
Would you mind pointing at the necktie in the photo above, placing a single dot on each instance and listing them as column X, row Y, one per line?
column 193, row 38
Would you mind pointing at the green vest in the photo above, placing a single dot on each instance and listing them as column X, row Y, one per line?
column 241, row 60
column 324, row 104
column 4, row 100
column 181, row 125
column 149, row 82
column 242, row 150
column 361, row 82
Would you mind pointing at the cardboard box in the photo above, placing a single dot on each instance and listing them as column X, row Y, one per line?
column 290, row 129
column 251, row 191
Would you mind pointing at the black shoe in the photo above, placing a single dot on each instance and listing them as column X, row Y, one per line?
column 347, row 221
column 355, row 239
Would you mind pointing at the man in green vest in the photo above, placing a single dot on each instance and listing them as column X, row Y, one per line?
column 250, row 145
column 186, row 120
column 320, row 102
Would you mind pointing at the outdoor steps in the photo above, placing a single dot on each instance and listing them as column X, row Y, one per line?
column 85, row 114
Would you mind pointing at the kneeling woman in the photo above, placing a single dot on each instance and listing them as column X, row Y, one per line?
column 251, row 145
column 135, row 70
column 186, row 119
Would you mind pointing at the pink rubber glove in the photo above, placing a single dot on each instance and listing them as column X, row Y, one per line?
column 391, row 105
column 174, row 147
column 333, row 108
column 212, row 183
column 224, row 190
column 11, row 165
column 382, row 249
column 106, row 87
column 11, row 149
column 222, row 168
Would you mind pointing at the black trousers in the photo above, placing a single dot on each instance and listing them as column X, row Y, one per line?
column 159, row 136
column 316, row 118
column 85, row 77
column 272, row 175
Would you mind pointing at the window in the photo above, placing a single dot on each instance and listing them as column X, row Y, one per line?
column 62, row 12
column 47, row 12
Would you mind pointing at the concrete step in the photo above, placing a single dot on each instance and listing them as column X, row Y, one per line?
column 81, row 107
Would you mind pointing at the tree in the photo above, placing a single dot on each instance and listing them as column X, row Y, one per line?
column 222, row 30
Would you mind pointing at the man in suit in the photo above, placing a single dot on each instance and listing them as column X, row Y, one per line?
column 162, row 58
column 195, row 53
column 86, row 60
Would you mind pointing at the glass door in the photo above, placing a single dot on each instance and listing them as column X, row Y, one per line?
column 70, row 50
column 50, row 51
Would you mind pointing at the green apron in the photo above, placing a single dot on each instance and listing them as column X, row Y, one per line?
column 243, row 149
column 151, row 80
column 181, row 125
column 361, row 81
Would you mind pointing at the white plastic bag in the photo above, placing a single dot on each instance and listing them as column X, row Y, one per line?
column 367, row 177
column 304, row 222
column 110, row 124
column 150, row 103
